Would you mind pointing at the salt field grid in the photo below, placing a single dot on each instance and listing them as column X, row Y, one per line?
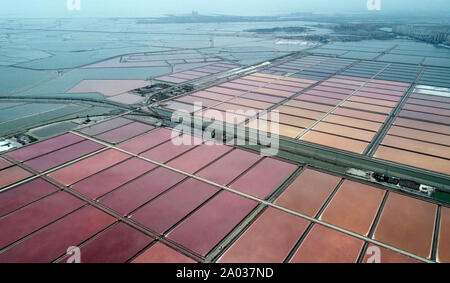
column 358, row 106
column 126, row 184
column 20, row 116
column 155, row 59
column 249, row 94
column 420, row 132
column 185, row 66
column 163, row 206
column 114, row 90
column 400, row 51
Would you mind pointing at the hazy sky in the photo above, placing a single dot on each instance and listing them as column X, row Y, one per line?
column 143, row 8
